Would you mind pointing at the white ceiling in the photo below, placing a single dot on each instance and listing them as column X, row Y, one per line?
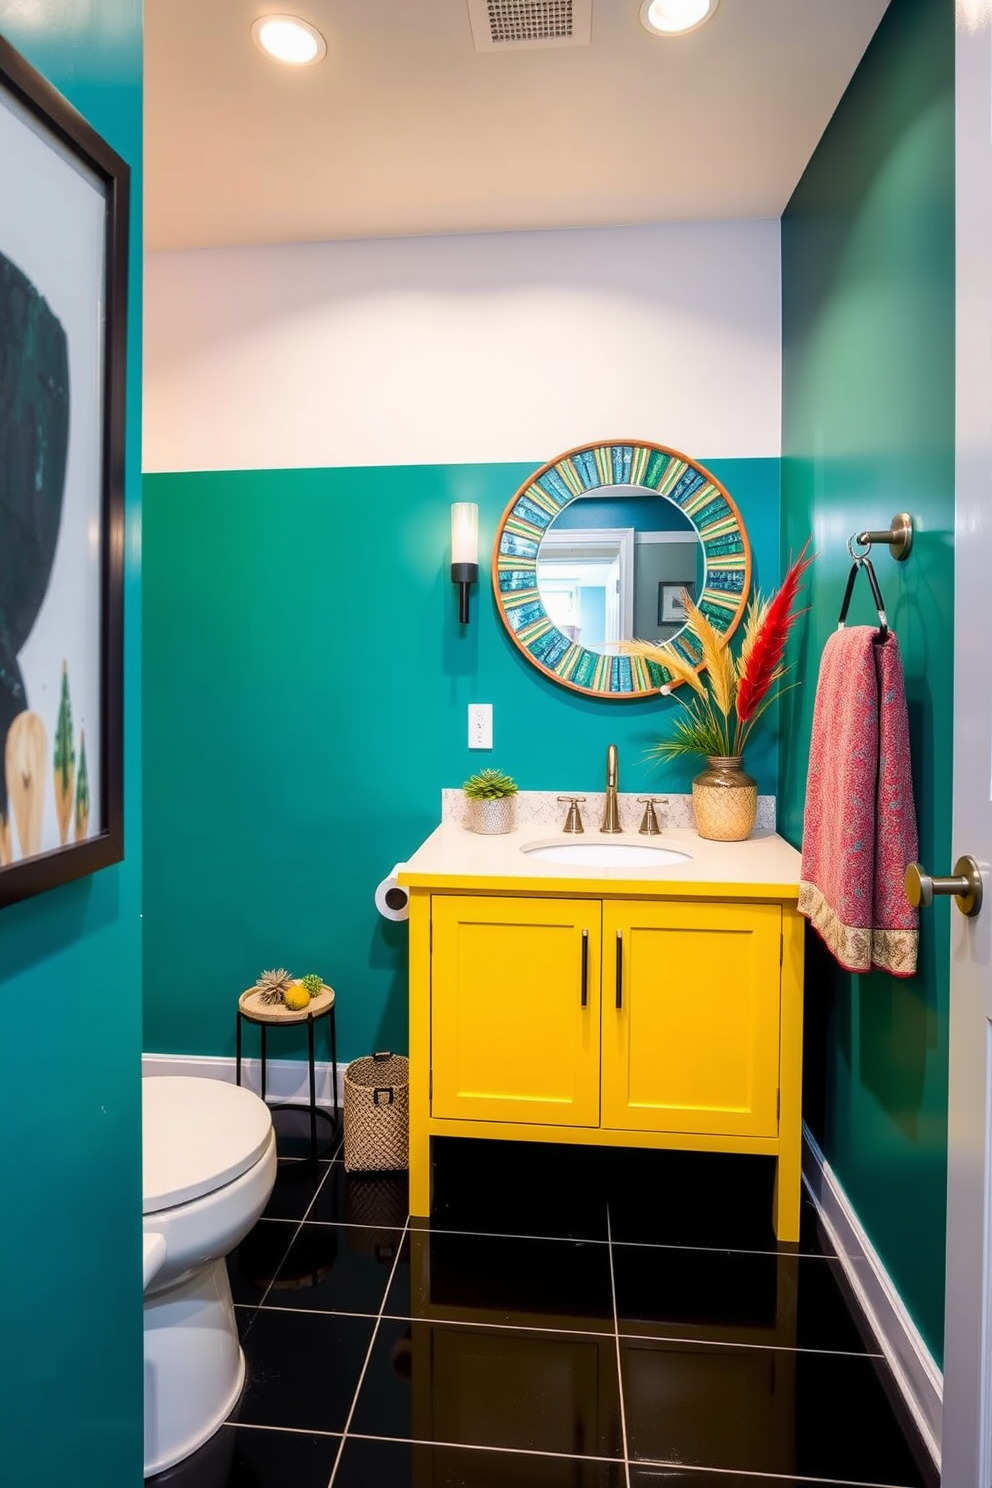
column 405, row 128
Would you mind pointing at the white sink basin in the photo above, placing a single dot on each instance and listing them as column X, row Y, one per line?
column 605, row 854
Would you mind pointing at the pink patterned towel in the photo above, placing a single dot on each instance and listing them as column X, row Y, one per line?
column 859, row 828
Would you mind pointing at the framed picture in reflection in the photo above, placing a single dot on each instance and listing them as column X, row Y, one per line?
column 671, row 602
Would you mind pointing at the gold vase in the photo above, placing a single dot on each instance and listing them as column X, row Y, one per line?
column 724, row 799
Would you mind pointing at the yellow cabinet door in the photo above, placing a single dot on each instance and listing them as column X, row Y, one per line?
column 691, row 1017
column 515, row 1009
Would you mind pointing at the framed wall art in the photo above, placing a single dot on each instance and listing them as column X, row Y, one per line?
column 64, row 200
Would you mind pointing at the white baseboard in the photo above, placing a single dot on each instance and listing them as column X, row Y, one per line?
column 285, row 1079
column 920, row 1381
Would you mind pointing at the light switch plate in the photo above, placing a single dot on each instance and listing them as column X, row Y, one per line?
column 480, row 725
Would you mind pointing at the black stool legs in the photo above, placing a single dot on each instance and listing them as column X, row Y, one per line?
column 335, row 1120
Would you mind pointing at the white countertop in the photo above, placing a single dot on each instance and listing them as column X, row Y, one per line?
column 764, row 866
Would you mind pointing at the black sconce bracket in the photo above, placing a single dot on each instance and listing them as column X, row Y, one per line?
column 463, row 574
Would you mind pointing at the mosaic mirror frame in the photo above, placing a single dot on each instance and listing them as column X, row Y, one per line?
column 695, row 491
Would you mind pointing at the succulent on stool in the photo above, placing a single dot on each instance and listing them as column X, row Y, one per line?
column 271, row 985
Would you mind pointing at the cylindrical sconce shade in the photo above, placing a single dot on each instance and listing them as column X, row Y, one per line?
column 464, row 551
column 464, row 532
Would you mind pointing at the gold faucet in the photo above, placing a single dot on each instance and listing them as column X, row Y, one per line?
column 611, row 811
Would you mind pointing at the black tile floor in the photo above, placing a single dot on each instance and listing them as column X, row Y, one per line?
column 569, row 1318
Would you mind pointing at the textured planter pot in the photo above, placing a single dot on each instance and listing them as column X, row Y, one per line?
column 492, row 817
column 724, row 800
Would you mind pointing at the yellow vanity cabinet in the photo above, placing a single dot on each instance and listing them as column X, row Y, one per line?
column 583, row 1010
column 685, row 1038
column 515, row 1009
column 690, row 1030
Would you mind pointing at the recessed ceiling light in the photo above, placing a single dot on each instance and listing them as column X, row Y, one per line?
column 289, row 40
column 675, row 17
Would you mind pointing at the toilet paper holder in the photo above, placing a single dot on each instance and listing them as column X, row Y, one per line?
column 392, row 900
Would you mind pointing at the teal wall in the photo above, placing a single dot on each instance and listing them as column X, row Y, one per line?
column 306, row 690
column 70, row 980
column 868, row 430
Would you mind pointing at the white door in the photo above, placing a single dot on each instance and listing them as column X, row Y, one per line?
column 614, row 624
column 967, row 1419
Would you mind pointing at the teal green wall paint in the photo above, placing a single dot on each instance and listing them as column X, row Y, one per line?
column 306, row 693
column 70, row 969
column 868, row 430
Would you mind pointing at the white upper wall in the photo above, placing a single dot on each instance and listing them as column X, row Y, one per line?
column 511, row 346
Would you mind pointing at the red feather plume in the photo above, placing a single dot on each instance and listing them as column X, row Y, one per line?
column 765, row 659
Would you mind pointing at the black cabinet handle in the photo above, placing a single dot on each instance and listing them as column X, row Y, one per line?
column 585, row 968
column 619, row 968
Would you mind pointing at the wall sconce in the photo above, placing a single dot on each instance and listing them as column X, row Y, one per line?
column 464, row 552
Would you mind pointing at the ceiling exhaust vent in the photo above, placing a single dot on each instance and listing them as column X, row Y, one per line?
column 525, row 25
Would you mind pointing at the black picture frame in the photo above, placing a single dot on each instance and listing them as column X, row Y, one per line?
column 671, row 607
column 73, row 181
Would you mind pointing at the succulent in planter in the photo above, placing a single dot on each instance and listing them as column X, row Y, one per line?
column 489, row 785
column 491, row 794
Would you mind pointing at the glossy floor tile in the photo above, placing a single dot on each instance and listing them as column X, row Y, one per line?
column 816, row 1415
column 316, row 1267
column 249, row 1457
column 372, row 1200
column 523, row 1282
column 605, row 1319
column 388, row 1464
column 787, row 1301
column 672, row 1475
column 292, row 1124
column 296, row 1186
column 303, row 1368
column 492, row 1387
column 252, row 1267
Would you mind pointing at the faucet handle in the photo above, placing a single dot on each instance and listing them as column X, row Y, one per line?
column 649, row 822
column 573, row 821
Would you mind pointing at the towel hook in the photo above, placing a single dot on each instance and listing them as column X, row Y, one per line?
column 898, row 539
column 876, row 594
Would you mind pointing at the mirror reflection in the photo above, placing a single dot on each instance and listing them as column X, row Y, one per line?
column 613, row 567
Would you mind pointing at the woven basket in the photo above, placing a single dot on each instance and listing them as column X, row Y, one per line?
column 377, row 1114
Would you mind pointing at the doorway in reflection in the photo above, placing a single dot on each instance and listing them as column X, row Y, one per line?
column 613, row 568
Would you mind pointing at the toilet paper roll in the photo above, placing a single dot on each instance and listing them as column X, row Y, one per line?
column 393, row 902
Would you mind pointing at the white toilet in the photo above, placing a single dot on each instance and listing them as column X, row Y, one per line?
column 209, row 1163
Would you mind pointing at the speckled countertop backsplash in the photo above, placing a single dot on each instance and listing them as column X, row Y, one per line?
column 543, row 809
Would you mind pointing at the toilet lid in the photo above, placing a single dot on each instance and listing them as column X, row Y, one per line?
column 196, row 1135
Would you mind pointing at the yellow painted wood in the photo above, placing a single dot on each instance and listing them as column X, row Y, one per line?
column 694, row 1045
column 494, row 1000
column 592, row 886
column 510, row 1039
column 788, row 1169
column 420, row 1051
column 602, row 1136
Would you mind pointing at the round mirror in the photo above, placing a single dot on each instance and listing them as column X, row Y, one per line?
column 600, row 546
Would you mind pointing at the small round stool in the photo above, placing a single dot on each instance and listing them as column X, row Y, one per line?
column 277, row 1015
